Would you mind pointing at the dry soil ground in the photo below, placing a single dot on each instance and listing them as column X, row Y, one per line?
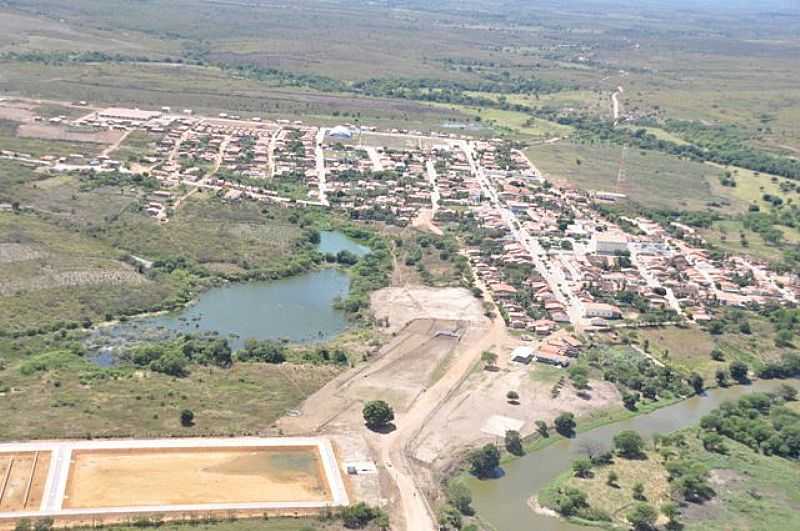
column 142, row 477
column 22, row 478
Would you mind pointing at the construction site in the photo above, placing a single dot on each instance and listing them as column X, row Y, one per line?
column 114, row 480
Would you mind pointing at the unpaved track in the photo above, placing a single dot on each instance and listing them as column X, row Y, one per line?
column 396, row 447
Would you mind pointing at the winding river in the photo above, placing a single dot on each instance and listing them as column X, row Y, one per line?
column 503, row 502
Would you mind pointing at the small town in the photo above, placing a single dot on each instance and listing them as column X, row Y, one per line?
column 580, row 269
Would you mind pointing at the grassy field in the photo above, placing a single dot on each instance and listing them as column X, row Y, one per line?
column 651, row 179
column 690, row 348
column 52, row 274
column 209, row 231
column 518, row 125
column 752, row 491
column 727, row 235
column 209, row 90
column 71, row 398
column 38, row 147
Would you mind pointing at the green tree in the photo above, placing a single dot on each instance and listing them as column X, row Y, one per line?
column 484, row 461
column 721, row 375
column 570, row 501
column 612, row 479
column 450, row 518
column 565, row 424
column 629, row 444
column 788, row 393
column 582, row 467
column 638, row 491
column 739, row 371
column 359, row 515
column 671, row 511
column 489, row 358
column 713, row 442
column 377, row 414
column 697, row 383
column 514, row 443
column 643, row 517
column 512, row 396
column 629, row 400
column 187, row 418
column 459, row 495
column 541, row 428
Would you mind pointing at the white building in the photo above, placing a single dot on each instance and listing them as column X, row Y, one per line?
column 610, row 242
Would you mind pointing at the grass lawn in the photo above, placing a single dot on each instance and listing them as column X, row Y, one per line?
column 750, row 186
column 652, row 179
column 752, row 491
column 137, row 144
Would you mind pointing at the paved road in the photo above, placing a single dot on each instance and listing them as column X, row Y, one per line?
column 553, row 275
column 320, row 158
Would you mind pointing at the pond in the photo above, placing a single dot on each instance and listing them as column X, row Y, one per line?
column 300, row 309
column 335, row 241
column 503, row 502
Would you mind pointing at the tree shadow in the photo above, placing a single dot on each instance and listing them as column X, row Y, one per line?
column 386, row 428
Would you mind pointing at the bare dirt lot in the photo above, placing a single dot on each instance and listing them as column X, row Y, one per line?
column 402, row 305
column 459, row 425
column 22, row 479
column 141, row 477
column 59, row 132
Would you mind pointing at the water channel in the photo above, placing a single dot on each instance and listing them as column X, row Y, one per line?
column 299, row 309
column 503, row 502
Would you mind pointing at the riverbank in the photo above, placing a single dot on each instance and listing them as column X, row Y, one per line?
column 503, row 502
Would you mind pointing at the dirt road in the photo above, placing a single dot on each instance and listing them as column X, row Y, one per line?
column 396, row 447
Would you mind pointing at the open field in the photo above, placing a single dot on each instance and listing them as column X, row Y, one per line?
column 209, row 90
column 68, row 396
column 690, row 348
column 55, row 274
column 181, row 476
column 208, row 230
column 651, row 179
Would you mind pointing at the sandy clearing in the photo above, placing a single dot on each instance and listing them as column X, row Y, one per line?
column 138, row 477
column 403, row 305
column 458, row 425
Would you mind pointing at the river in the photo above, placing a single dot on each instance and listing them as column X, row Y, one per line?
column 503, row 502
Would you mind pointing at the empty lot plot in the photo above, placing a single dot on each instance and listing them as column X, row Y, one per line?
column 22, row 479
column 123, row 477
column 178, row 476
